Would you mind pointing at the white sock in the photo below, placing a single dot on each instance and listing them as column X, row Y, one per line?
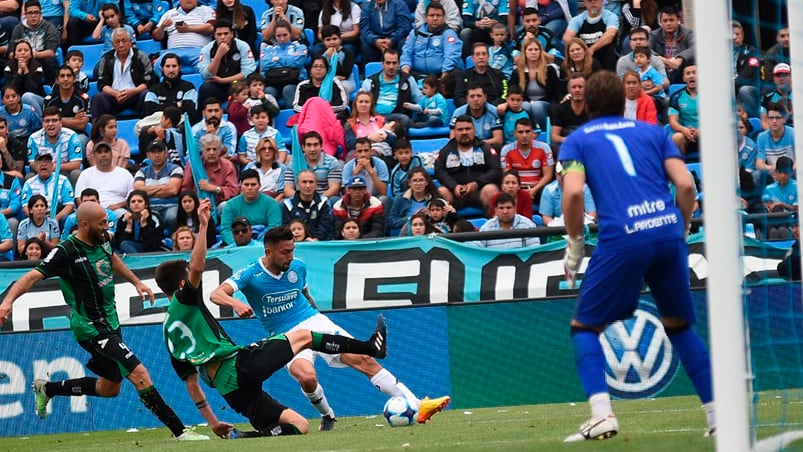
column 600, row 405
column 388, row 384
column 709, row 414
column 318, row 400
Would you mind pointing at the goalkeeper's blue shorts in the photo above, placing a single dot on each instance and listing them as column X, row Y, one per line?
column 613, row 282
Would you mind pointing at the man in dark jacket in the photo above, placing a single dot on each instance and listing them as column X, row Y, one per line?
column 123, row 77
column 789, row 267
column 310, row 207
column 467, row 168
column 492, row 80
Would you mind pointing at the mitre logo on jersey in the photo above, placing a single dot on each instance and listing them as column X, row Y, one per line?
column 640, row 358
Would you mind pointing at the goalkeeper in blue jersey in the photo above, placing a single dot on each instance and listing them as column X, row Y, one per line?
column 276, row 289
column 626, row 165
column 198, row 345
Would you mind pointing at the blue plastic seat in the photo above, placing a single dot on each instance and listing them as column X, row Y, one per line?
column 92, row 56
column 372, row 68
column 431, row 145
column 195, row 79
column 675, row 87
column 149, row 46
column 442, row 131
column 125, row 131
column 280, row 123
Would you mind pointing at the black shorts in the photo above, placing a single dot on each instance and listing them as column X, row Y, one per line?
column 111, row 358
column 256, row 364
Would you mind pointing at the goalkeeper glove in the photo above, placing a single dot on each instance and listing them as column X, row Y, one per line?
column 575, row 251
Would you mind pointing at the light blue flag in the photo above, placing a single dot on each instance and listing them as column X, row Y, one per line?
column 299, row 162
column 197, row 165
column 327, row 86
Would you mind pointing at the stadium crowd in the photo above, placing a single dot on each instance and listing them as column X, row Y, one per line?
column 409, row 116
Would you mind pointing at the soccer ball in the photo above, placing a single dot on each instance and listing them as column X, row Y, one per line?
column 400, row 412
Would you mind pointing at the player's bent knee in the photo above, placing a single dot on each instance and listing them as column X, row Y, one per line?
column 291, row 417
column 107, row 388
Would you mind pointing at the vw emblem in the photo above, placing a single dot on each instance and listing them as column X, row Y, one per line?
column 640, row 359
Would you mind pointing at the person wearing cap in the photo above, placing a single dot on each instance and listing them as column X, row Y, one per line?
column 161, row 180
column 242, row 232
column 778, row 53
column 358, row 204
column 683, row 113
column 309, row 206
column 261, row 211
column 673, row 43
column 56, row 188
column 781, row 196
column 775, row 142
column 112, row 182
column 782, row 76
column 62, row 143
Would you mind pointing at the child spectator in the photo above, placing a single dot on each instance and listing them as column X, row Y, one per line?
column 238, row 112
column 406, row 161
column 300, row 231
column 333, row 45
column 38, row 224
column 105, row 129
column 167, row 132
column 652, row 81
column 499, row 56
column 431, row 110
column 442, row 215
column 512, row 112
column 419, row 224
column 35, row 249
column 247, row 148
column 780, row 196
column 257, row 96
column 109, row 21
column 75, row 60
column 350, row 230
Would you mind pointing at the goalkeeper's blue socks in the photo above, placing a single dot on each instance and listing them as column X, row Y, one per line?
column 694, row 357
column 590, row 361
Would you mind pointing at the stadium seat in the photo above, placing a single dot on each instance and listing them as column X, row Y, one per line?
column 92, row 55
column 310, row 36
column 435, row 131
column 149, row 46
column 259, row 8
column 478, row 222
column 125, row 131
column 59, row 56
column 355, row 77
column 675, row 87
column 195, row 79
column 92, row 90
column 469, row 62
column 372, row 68
column 755, row 123
column 280, row 123
column 431, row 145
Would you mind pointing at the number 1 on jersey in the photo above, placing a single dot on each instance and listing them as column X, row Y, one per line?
column 623, row 153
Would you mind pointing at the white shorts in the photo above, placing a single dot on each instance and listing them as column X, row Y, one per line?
column 320, row 324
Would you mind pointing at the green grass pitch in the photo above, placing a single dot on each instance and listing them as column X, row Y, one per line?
column 664, row 424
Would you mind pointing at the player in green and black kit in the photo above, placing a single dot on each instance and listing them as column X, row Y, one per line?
column 198, row 344
column 85, row 266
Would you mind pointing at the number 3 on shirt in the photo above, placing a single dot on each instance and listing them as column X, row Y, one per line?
column 623, row 153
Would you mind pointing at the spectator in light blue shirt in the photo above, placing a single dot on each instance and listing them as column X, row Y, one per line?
column 507, row 219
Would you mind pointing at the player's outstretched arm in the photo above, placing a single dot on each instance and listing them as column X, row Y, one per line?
column 198, row 256
column 18, row 288
column 221, row 429
column 222, row 296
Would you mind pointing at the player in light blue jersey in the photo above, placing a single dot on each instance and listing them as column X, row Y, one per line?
column 277, row 293
column 627, row 164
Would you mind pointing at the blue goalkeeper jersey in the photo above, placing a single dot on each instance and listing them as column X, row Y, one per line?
column 278, row 300
column 624, row 168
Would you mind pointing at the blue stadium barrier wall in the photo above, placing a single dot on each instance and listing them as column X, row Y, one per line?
column 483, row 354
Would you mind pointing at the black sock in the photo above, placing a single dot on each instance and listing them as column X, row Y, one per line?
column 279, row 429
column 333, row 344
column 76, row 387
column 153, row 401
